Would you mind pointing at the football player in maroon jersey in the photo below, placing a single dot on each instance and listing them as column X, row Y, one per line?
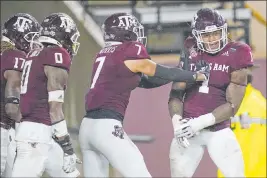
column 117, row 71
column 17, row 33
column 43, row 142
column 201, row 111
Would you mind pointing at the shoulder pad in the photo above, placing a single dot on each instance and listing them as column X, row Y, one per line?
column 13, row 59
column 135, row 50
column 57, row 57
column 242, row 56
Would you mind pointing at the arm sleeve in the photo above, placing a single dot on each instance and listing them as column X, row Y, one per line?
column 152, row 82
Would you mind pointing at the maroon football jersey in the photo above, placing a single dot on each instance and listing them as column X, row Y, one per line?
column 34, row 95
column 207, row 96
column 111, row 81
column 10, row 60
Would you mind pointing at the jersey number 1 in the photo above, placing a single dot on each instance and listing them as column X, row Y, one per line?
column 101, row 61
column 204, row 88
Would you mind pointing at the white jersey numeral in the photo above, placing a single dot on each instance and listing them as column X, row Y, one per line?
column 58, row 58
column 25, row 76
column 204, row 88
column 101, row 61
column 17, row 62
column 139, row 49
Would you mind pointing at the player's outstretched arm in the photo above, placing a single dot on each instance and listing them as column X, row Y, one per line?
column 152, row 82
column 12, row 94
column 150, row 68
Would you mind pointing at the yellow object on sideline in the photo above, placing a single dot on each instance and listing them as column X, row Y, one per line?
column 253, row 139
column 256, row 14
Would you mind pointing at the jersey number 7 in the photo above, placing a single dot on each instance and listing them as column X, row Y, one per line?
column 101, row 61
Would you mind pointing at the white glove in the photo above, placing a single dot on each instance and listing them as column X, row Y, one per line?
column 183, row 141
column 194, row 125
column 69, row 163
column 75, row 173
column 177, row 122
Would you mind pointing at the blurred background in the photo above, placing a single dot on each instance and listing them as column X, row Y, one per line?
column 167, row 23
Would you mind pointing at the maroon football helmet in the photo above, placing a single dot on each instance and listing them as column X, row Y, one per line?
column 123, row 27
column 205, row 21
column 21, row 30
column 60, row 29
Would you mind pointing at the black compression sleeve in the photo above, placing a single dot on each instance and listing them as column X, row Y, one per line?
column 152, row 82
column 174, row 74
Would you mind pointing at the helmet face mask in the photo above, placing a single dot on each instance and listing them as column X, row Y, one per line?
column 209, row 29
column 75, row 43
column 140, row 33
column 211, row 40
column 32, row 39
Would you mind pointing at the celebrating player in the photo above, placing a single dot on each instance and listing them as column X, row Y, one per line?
column 201, row 112
column 116, row 72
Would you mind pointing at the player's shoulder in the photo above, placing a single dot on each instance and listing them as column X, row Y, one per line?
column 11, row 53
column 241, row 55
column 237, row 46
column 55, row 49
column 56, row 56
column 12, row 59
column 135, row 50
column 133, row 43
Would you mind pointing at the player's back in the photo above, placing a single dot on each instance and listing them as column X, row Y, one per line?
column 207, row 96
column 11, row 59
column 34, row 95
column 111, row 81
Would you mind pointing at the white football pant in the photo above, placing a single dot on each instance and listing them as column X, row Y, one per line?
column 222, row 147
column 100, row 146
column 8, row 151
column 37, row 152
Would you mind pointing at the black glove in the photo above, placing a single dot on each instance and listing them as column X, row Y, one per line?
column 203, row 67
